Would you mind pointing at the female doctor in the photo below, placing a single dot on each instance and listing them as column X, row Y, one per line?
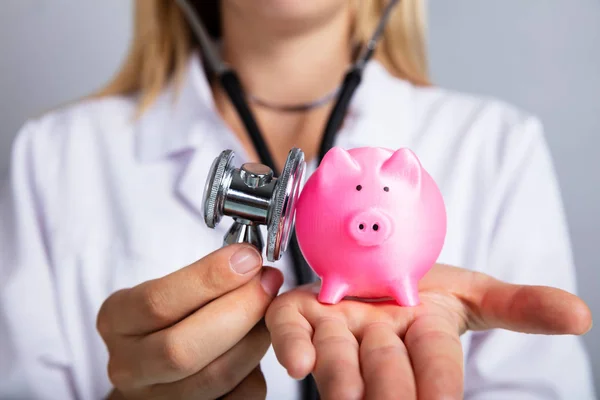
column 111, row 282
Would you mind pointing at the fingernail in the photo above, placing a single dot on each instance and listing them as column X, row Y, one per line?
column 271, row 281
column 245, row 260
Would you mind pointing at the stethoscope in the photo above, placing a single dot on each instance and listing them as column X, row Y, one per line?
column 256, row 194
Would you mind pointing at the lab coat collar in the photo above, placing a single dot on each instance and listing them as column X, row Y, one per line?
column 167, row 126
column 184, row 116
column 186, row 123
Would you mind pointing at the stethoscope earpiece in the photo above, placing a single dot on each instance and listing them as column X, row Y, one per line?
column 253, row 196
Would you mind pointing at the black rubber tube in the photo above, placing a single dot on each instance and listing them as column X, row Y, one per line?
column 231, row 84
column 338, row 113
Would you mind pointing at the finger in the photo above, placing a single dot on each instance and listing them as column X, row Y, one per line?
column 436, row 353
column 291, row 335
column 225, row 373
column 529, row 309
column 385, row 365
column 495, row 304
column 337, row 370
column 187, row 347
column 254, row 387
column 159, row 303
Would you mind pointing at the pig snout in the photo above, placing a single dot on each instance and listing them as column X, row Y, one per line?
column 370, row 228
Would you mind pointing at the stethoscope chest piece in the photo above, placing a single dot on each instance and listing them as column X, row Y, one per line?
column 253, row 196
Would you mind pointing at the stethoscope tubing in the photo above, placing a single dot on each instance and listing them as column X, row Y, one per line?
column 233, row 88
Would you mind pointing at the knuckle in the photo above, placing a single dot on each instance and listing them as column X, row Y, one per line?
column 425, row 339
column 378, row 326
column 262, row 335
column 103, row 319
column 212, row 278
column 103, row 325
column 177, row 354
column 338, row 341
column 260, row 384
column 428, row 337
column 441, row 321
column 276, row 309
column 154, row 302
column 119, row 376
column 289, row 334
column 222, row 375
column 338, row 366
column 380, row 354
column 250, row 309
column 331, row 322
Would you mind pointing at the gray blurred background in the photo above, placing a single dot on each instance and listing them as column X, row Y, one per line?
column 541, row 55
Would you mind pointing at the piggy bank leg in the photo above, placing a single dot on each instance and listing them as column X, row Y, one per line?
column 332, row 291
column 406, row 292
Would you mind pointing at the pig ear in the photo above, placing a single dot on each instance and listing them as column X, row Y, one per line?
column 405, row 165
column 337, row 162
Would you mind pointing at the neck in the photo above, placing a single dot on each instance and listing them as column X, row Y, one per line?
column 287, row 65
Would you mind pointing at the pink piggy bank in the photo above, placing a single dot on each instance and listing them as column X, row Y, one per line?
column 371, row 223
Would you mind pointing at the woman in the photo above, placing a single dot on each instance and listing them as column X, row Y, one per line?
column 112, row 285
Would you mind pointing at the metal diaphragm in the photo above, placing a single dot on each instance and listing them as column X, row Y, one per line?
column 253, row 196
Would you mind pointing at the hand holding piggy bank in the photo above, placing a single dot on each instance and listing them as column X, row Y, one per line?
column 371, row 223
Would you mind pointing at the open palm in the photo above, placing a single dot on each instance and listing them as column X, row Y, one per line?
column 375, row 350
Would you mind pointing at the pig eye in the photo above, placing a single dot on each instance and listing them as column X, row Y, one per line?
column 386, row 189
column 359, row 188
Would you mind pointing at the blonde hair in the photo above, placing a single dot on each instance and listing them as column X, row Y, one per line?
column 162, row 43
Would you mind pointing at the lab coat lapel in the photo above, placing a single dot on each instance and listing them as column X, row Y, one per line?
column 190, row 185
column 183, row 127
column 168, row 127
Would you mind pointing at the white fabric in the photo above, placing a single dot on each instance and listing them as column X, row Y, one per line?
column 98, row 201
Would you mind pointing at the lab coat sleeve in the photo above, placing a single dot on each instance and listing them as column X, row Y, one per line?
column 34, row 363
column 527, row 242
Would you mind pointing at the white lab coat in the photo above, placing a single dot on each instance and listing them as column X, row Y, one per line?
column 98, row 201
